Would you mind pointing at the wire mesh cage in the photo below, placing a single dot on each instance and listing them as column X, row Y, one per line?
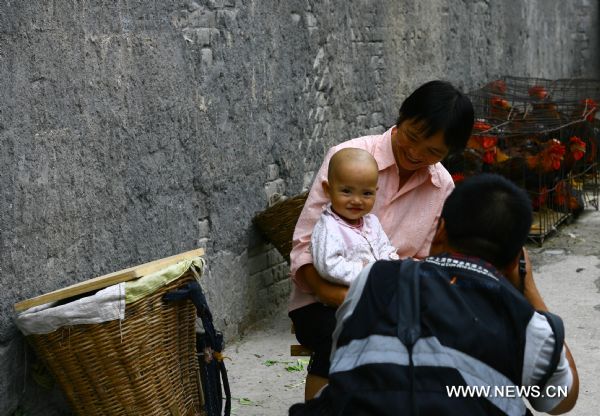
column 517, row 105
column 543, row 135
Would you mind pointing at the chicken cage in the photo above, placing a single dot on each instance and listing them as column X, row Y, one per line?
column 541, row 134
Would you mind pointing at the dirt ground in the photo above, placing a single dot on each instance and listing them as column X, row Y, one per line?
column 266, row 380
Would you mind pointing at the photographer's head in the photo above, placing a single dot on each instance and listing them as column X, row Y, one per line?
column 486, row 216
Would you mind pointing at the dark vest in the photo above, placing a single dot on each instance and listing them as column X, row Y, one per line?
column 446, row 321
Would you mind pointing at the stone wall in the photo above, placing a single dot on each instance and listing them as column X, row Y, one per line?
column 132, row 130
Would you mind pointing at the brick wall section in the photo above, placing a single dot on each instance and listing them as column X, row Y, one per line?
column 266, row 265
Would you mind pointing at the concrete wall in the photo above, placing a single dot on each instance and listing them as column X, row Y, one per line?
column 133, row 130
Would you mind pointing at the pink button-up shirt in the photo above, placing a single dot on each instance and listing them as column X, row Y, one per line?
column 408, row 216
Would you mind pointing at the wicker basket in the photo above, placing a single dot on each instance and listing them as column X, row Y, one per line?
column 145, row 365
column 277, row 223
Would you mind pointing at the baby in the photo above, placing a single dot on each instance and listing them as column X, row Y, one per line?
column 347, row 238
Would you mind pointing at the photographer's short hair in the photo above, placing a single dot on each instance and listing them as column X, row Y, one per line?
column 489, row 217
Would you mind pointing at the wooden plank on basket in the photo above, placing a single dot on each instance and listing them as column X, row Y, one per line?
column 108, row 280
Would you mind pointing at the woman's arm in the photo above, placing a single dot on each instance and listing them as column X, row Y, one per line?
column 329, row 293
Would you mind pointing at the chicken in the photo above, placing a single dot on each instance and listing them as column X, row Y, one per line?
column 575, row 152
column 576, row 147
column 500, row 108
column 549, row 159
column 567, row 199
column 538, row 199
column 497, row 87
column 464, row 164
column 538, row 91
column 513, row 168
column 543, row 113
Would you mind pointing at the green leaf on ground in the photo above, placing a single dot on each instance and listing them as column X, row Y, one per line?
column 300, row 365
column 245, row 401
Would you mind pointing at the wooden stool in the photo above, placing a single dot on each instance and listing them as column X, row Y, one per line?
column 297, row 350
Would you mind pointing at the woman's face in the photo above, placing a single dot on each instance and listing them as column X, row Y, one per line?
column 412, row 150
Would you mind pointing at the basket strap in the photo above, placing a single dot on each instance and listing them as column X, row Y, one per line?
column 193, row 291
column 226, row 388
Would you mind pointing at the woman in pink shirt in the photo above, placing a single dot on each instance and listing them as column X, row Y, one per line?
column 435, row 120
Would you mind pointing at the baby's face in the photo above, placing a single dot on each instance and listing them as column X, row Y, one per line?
column 352, row 191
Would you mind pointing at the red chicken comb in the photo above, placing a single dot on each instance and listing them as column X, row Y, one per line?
column 498, row 86
column 538, row 91
column 577, row 147
column 481, row 125
column 500, row 102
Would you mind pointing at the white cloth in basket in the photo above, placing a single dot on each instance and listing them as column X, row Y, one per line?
column 105, row 305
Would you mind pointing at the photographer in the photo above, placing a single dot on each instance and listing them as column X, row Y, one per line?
column 409, row 332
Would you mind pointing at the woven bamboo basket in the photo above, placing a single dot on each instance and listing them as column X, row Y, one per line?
column 144, row 365
column 277, row 223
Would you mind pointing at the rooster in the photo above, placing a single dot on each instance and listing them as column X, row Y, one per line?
column 497, row 87
column 538, row 199
column 485, row 144
column 539, row 92
column 499, row 108
column 567, row 199
column 576, row 149
column 544, row 112
column 549, row 159
column 464, row 164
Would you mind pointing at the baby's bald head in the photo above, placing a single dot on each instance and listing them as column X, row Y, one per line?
column 350, row 158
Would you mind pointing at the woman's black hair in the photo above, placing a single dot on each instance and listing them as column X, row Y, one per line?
column 439, row 106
